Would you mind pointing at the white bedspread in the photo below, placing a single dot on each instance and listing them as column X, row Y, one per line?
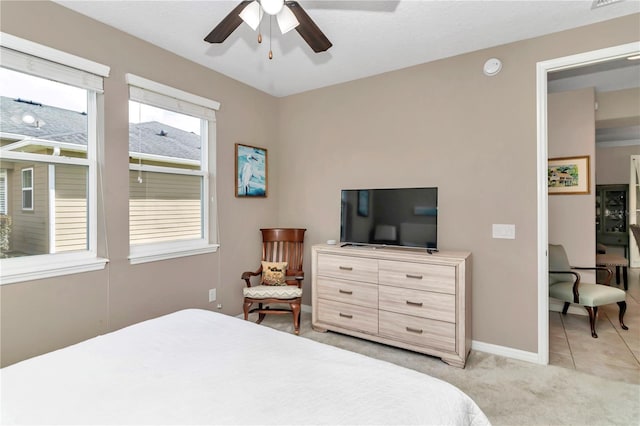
column 200, row 367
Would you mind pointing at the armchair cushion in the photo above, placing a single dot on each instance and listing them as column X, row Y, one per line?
column 590, row 294
column 274, row 273
column 558, row 261
column 271, row 291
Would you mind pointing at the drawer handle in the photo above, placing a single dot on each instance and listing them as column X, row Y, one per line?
column 417, row 277
column 346, row 315
column 346, row 268
column 414, row 330
column 345, row 291
column 414, row 303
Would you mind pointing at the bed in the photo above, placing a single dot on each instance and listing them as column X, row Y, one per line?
column 201, row 367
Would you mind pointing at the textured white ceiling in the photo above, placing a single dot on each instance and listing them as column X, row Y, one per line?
column 369, row 37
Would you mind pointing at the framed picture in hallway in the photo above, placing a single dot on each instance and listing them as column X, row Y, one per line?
column 251, row 171
column 568, row 175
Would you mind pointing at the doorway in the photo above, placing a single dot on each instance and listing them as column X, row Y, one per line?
column 543, row 68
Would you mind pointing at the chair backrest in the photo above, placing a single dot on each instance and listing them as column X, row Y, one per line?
column 635, row 229
column 284, row 245
column 558, row 261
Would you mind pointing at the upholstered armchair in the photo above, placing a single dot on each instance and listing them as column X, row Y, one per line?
column 565, row 285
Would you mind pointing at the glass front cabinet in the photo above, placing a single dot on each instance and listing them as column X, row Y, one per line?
column 611, row 215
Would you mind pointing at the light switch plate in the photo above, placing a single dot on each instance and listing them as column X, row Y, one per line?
column 504, row 231
column 212, row 295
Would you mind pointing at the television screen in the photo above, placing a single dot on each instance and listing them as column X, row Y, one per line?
column 396, row 216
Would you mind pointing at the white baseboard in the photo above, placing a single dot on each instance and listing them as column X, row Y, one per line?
column 506, row 352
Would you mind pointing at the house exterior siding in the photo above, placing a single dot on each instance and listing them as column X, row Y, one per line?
column 164, row 207
column 71, row 208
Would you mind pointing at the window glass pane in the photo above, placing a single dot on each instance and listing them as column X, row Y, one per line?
column 163, row 138
column 56, row 220
column 45, row 202
column 164, row 207
column 42, row 116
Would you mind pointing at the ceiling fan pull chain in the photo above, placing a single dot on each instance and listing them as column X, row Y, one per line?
column 270, row 51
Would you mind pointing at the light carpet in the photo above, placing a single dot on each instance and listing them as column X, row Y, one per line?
column 510, row 392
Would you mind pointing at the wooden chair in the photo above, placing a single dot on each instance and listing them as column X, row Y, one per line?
column 565, row 285
column 278, row 284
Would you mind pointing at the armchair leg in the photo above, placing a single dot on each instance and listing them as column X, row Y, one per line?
column 623, row 309
column 246, row 307
column 593, row 312
column 565, row 308
column 295, row 308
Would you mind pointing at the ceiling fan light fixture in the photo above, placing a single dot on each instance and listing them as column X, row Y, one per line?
column 287, row 20
column 252, row 14
column 272, row 7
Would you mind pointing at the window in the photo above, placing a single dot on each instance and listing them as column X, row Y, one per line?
column 27, row 189
column 48, row 148
column 171, row 160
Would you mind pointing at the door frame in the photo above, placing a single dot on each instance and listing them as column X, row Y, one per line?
column 542, row 68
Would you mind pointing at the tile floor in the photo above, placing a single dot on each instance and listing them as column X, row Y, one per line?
column 615, row 354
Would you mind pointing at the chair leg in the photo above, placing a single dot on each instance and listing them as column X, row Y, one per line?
column 295, row 308
column 246, row 307
column 261, row 315
column 623, row 309
column 593, row 312
column 565, row 308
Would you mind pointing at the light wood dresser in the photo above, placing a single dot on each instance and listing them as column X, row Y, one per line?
column 401, row 297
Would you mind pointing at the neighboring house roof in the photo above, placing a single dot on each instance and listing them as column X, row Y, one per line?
column 62, row 125
column 54, row 124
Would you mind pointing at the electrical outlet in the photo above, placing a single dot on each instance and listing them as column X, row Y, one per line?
column 212, row 295
column 219, row 305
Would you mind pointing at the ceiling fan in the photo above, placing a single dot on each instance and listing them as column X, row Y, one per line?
column 289, row 15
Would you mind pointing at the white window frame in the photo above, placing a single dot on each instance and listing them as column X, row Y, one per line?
column 4, row 204
column 42, row 61
column 27, row 188
column 156, row 94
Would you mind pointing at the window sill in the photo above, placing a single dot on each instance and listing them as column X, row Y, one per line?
column 153, row 253
column 30, row 268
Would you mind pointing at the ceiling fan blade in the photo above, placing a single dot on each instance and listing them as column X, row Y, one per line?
column 227, row 25
column 308, row 29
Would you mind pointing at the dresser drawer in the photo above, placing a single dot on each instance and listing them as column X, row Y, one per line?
column 418, row 331
column 352, row 292
column 424, row 304
column 353, row 317
column 348, row 268
column 419, row 276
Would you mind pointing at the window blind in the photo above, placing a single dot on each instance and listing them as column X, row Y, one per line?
column 44, row 68
column 162, row 96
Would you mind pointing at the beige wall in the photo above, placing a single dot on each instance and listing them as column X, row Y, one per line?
column 613, row 165
column 439, row 124
column 571, row 133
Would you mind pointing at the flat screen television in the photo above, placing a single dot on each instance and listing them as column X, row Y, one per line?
column 405, row 217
